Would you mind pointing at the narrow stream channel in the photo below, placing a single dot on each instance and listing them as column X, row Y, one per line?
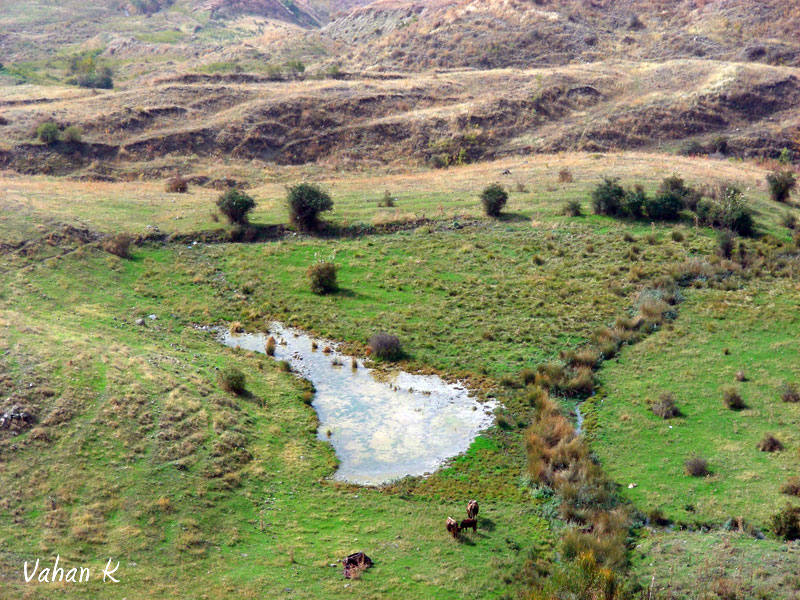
column 382, row 427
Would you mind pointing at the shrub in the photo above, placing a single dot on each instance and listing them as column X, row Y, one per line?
column 270, row 346
column 235, row 205
column 306, row 201
column 73, row 135
column 696, row 467
column 725, row 243
column 572, row 208
column 786, row 523
column 177, row 185
column 607, row 197
column 789, row 221
column 665, row 206
column 493, row 198
column 118, row 245
column 385, row 346
column 48, row 132
column 781, row 183
column 719, row 145
column 677, row 235
column 232, row 380
column 676, row 185
column 770, row 444
column 730, row 211
column 322, row 275
column 387, row 201
column 633, row 204
column 791, row 487
column 732, row 399
column 790, row 393
column 665, row 407
column 692, row 148
column 565, row 176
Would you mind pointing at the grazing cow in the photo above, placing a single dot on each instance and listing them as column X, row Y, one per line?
column 452, row 527
column 467, row 523
column 472, row 509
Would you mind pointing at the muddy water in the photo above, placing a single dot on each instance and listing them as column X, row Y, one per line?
column 381, row 427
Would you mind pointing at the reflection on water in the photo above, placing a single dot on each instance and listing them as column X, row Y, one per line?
column 383, row 430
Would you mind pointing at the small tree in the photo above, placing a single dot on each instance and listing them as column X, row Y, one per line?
column 781, row 183
column 494, row 198
column 322, row 275
column 607, row 197
column 48, row 132
column 236, row 205
column 306, row 201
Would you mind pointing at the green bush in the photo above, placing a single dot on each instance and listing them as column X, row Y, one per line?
column 322, row 275
column 633, row 204
column 725, row 243
column 73, row 135
column 676, row 185
column 607, row 197
column 232, row 380
column 572, row 208
column 729, row 211
column 781, row 183
column 665, row 206
column 48, row 132
column 493, row 198
column 235, row 205
column 786, row 523
column 692, row 148
column 306, row 201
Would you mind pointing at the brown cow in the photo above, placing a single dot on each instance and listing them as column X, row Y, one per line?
column 467, row 523
column 452, row 527
column 472, row 509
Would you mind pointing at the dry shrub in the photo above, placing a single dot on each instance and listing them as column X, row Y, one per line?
column 740, row 376
column 236, row 327
column 581, row 383
column 609, row 550
column 696, row 467
column 665, row 407
column 770, row 444
column 790, row 393
column 653, row 309
column 176, row 185
column 565, row 176
column 585, row 357
column 385, row 346
column 732, row 399
column 270, row 347
column 322, row 276
column 572, row 208
column 118, row 245
column 791, row 487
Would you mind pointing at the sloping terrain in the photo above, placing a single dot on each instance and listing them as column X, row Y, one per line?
column 447, row 119
column 392, row 34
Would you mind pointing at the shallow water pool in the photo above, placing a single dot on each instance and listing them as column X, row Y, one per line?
column 382, row 427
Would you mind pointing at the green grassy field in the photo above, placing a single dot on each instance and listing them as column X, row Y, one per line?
column 139, row 455
column 719, row 333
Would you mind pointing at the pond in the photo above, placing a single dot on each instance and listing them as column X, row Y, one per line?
column 382, row 426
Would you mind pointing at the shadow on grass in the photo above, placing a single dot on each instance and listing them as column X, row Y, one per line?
column 485, row 524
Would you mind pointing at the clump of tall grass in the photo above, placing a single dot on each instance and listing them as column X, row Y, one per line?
column 665, row 406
